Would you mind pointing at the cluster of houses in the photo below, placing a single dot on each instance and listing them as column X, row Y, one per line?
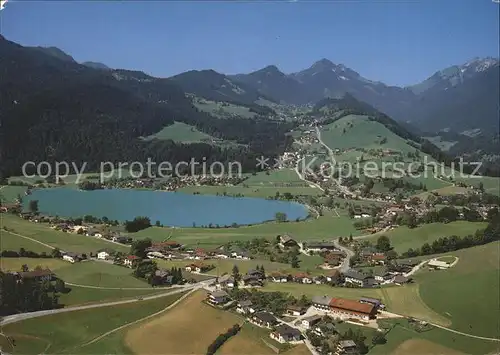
column 396, row 274
column 362, row 310
column 281, row 332
column 173, row 250
column 253, row 278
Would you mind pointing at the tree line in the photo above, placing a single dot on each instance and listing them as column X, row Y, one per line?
column 445, row 244
column 222, row 338
column 29, row 295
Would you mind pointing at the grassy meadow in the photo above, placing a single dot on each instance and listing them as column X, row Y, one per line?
column 403, row 238
column 326, row 227
column 41, row 232
column 468, row 293
column 181, row 132
column 89, row 281
column 67, row 332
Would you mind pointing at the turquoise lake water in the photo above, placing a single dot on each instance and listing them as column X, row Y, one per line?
column 170, row 208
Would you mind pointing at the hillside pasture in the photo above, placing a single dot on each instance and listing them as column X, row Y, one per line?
column 64, row 241
column 223, row 110
column 100, row 274
column 468, row 294
column 9, row 193
column 14, row 264
column 326, row 227
column 182, row 133
column 67, row 332
column 196, row 327
column 361, row 132
column 402, row 338
column 403, row 238
column 13, row 242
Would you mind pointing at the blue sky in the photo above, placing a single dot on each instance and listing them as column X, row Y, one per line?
column 397, row 42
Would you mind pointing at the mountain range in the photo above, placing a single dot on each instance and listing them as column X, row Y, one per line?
column 459, row 98
column 55, row 109
column 88, row 110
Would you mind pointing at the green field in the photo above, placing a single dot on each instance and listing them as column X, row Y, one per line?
column 223, row 110
column 307, row 263
column 262, row 184
column 106, row 282
column 64, row 241
column 70, row 180
column 101, row 274
column 67, row 332
column 440, row 143
column 9, row 241
column 468, row 294
column 403, row 339
column 360, row 132
column 250, row 191
column 9, row 193
column 181, row 132
column 328, row 226
column 403, row 238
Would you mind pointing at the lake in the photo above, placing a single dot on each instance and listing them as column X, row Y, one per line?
column 170, row 208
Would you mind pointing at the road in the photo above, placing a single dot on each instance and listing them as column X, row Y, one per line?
column 139, row 320
column 338, row 182
column 23, row 316
column 344, row 266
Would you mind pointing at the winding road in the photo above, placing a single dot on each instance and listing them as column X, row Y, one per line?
column 23, row 316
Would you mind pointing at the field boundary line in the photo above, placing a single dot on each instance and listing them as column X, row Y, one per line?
column 139, row 320
column 15, row 318
column 120, row 288
column 31, row 239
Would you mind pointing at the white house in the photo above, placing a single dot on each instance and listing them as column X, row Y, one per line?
column 277, row 277
column 437, row 264
column 245, row 307
column 155, row 255
column 103, row 255
column 129, row 260
column 71, row 257
column 309, row 322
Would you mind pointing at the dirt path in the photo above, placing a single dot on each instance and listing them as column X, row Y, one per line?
column 22, row 316
column 31, row 239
